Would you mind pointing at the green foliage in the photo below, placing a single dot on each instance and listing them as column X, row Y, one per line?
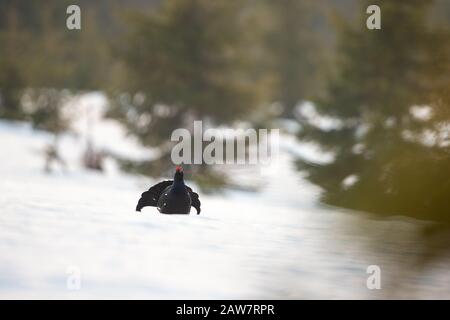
column 292, row 51
column 12, row 50
column 11, row 85
column 186, row 61
column 186, row 56
column 401, row 161
column 38, row 51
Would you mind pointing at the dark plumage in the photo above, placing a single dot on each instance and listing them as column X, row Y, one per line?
column 170, row 196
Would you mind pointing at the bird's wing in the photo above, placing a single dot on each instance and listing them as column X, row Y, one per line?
column 150, row 197
column 195, row 201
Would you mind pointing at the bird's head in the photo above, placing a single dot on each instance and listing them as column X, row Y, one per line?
column 178, row 174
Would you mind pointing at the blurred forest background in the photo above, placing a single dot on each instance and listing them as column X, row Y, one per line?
column 380, row 99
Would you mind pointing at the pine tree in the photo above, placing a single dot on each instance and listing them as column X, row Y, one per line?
column 12, row 49
column 389, row 159
column 185, row 61
column 37, row 51
column 293, row 52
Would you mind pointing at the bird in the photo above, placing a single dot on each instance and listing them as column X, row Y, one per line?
column 171, row 196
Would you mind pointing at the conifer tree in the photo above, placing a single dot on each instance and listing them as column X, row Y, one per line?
column 390, row 102
column 293, row 52
column 185, row 61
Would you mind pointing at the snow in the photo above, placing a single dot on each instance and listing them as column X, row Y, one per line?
column 278, row 243
column 422, row 113
column 87, row 113
column 349, row 181
column 308, row 111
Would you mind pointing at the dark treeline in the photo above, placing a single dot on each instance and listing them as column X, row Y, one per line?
column 165, row 63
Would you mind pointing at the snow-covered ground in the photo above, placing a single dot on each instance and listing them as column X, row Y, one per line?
column 278, row 243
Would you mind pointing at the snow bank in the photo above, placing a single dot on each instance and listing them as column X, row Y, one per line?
column 274, row 244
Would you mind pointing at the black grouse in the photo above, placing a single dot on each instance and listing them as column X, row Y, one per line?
column 170, row 196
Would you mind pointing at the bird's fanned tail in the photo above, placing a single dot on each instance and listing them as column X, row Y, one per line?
column 150, row 198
